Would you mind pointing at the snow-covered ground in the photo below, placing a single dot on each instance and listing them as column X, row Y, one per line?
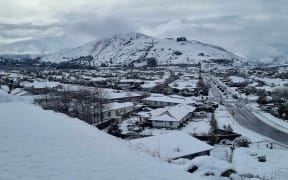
column 199, row 127
column 43, row 145
column 38, row 144
column 275, row 167
column 15, row 96
column 40, row 84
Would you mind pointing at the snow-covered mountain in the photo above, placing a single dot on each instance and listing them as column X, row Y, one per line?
column 38, row 46
column 136, row 48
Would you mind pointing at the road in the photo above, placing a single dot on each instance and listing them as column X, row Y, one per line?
column 247, row 119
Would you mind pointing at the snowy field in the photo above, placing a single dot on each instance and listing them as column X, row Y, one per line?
column 193, row 127
column 44, row 145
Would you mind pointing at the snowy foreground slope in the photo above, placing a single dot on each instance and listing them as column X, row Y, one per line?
column 38, row 144
column 130, row 48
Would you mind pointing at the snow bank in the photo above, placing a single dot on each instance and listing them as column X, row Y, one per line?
column 269, row 118
column 209, row 165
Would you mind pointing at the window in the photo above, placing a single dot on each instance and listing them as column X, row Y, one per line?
column 170, row 123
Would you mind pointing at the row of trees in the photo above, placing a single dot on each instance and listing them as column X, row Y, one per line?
column 280, row 99
column 87, row 105
column 279, row 95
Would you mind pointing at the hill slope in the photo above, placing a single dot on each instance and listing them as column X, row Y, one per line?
column 38, row 46
column 135, row 48
column 43, row 145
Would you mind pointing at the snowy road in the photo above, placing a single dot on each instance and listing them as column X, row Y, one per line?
column 248, row 120
column 245, row 118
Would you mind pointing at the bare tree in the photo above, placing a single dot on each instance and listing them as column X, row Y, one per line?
column 82, row 105
column 280, row 94
column 99, row 104
column 85, row 104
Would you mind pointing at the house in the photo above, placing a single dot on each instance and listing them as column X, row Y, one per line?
column 172, row 146
column 185, row 86
column 116, row 110
column 236, row 81
column 121, row 96
column 200, row 114
column 127, row 83
column 98, row 80
column 38, row 87
column 159, row 100
column 171, row 117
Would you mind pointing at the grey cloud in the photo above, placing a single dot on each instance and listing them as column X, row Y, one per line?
column 250, row 28
column 94, row 26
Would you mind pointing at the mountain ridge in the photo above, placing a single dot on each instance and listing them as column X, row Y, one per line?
column 135, row 48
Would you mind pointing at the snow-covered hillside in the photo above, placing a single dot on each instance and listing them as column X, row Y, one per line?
column 38, row 46
column 42, row 145
column 135, row 48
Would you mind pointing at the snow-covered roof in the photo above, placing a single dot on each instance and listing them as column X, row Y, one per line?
column 266, row 88
column 236, row 79
column 171, row 145
column 131, row 81
column 97, row 79
column 41, row 145
column 171, row 99
column 116, row 105
column 171, row 113
column 41, row 84
column 118, row 94
column 152, row 84
column 184, row 84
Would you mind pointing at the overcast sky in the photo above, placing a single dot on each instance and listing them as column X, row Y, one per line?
column 253, row 28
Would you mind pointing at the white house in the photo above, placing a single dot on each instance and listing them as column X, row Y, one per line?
column 172, row 146
column 184, row 83
column 172, row 116
column 121, row 96
column 115, row 110
column 159, row 100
